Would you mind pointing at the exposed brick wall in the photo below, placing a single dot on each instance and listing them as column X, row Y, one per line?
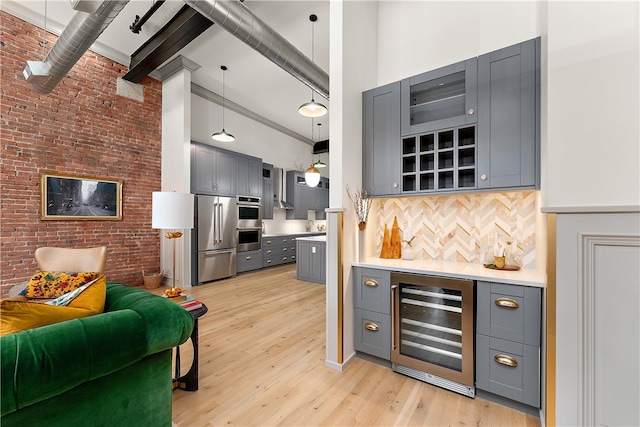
column 81, row 128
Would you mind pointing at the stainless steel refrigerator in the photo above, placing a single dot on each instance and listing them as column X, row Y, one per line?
column 216, row 237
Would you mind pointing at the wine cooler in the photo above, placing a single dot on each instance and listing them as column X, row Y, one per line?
column 432, row 334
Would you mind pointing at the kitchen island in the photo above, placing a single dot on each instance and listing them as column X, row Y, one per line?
column 311, row 258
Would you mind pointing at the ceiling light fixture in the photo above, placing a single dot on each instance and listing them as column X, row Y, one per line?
column 319, row 163
column 223, row 135
column 312, row 174
column 313, row 108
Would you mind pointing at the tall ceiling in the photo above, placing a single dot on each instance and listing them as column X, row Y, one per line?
column 252, row 81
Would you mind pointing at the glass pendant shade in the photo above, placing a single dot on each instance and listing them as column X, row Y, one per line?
column 312, row 176
column 223, row 135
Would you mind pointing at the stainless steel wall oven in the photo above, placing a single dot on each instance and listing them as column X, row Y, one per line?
column 249, row 227
column 249, row 212
column 432, row 333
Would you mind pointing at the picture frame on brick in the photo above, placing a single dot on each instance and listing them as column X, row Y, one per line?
column 69, row 197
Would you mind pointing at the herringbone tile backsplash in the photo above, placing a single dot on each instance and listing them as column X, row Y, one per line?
column 459, row 228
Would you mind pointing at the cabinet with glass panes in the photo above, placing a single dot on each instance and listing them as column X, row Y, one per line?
column 444, row 160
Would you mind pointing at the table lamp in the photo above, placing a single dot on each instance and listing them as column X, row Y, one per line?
column 172, row 211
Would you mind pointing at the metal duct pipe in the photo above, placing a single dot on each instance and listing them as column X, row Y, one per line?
column 237, row 19
column 81, row 32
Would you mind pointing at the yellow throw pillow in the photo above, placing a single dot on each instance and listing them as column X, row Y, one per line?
column 18, row 316
column 52, row 284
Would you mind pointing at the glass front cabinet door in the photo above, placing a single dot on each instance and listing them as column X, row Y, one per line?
column 438, row 99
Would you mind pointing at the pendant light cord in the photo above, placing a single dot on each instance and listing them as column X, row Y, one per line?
column 313, row 18
column 44, row 31
column 224, row 68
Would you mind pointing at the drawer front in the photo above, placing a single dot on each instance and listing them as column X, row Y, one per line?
column 247, row 261
column 508, row 369
column 372, row 290
column 270, row 261
column 509, row 312
column 372, row 333
column 270, row 242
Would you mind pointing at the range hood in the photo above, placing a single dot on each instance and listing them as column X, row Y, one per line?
column 280, row 190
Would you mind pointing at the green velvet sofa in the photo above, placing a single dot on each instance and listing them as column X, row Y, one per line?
column 110, row 369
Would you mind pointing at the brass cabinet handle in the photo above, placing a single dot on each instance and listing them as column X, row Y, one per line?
column 268, row 251
column 370, row 326
column 268, row 261
column 371, row 282
column 507, row 303
column 503, row 359
column 248, row 258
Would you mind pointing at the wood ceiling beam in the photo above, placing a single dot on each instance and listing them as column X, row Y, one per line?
column 181, row 30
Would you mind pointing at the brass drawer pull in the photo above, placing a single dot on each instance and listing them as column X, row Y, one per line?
column 370, row 326
column 507, row 303
column 371, row 282
column 503, row 359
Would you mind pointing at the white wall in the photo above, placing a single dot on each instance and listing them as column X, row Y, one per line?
column 252, row 138
column 418, row 36
column 593, row 148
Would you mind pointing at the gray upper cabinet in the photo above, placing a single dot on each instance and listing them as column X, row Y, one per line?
column 248, row 176
column 381, row 139
column 267, row 191
column 509, row 117
column 440, row 98
column 212, row 171
column 304, row 198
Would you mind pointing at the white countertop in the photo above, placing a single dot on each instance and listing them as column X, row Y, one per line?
column 459, row 270
column 299, row 233
column 322, row 238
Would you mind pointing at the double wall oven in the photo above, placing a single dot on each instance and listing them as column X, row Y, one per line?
column 432, row 333
column 249, row 226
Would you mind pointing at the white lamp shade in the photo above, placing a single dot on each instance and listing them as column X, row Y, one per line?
column 170, row 210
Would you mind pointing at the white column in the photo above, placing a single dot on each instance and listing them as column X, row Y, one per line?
column 353, row 64
column 176, row 158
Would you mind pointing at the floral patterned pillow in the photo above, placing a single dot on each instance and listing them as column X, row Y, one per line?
column 52, row 284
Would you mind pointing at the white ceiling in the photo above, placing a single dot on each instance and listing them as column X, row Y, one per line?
column 251, row 80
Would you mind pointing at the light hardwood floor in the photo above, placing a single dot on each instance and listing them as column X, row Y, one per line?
column 262, row 350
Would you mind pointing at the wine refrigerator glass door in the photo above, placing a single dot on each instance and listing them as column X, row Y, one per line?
column 433, row 330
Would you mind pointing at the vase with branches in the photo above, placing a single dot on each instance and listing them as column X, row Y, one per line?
column 361, row 200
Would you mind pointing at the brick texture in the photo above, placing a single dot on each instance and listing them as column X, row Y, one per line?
column 81, row 128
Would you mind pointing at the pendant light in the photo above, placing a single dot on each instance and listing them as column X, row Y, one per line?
column 319, row 163
column 313, row 108
column 223, row 135
column 312, row 174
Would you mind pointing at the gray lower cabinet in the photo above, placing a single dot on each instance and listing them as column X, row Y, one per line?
column 508, row 321
column 249, row 260
column 509, row 117
column 381, row 140
column 310, row 260
column 372, row 312
column 281, row 249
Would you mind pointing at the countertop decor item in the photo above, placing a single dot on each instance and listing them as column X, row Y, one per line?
column 362, row 204
column 391, row 242
column 504, row 267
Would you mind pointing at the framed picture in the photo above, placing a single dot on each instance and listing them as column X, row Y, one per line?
column 65, row 197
